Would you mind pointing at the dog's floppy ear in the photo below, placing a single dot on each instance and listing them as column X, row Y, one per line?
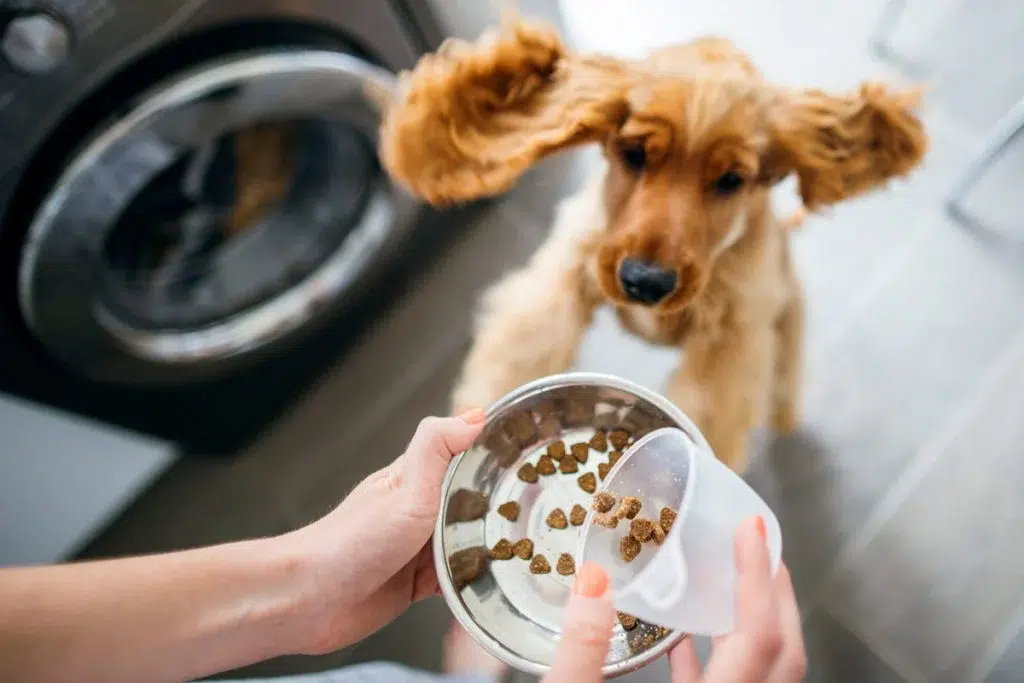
column 842, row 146
column 470, row 119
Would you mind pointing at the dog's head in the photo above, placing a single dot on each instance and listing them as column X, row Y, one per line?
column 694, row 137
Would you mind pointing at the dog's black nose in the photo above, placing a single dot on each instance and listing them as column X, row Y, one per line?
column 646, row 283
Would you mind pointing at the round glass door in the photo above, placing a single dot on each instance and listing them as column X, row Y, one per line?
column 227, row 210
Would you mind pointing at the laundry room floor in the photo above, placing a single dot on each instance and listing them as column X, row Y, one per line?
column 899, row 496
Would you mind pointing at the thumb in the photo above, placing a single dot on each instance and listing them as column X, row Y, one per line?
column 589, row 618
column 436, row 441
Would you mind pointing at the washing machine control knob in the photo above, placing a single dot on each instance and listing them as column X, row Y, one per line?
column 35, row 43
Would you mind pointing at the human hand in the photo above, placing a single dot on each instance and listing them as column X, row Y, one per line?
column 766, row 647
column 370, row 558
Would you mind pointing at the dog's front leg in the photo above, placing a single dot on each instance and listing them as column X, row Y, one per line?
column 723, row 385
column 530, row 323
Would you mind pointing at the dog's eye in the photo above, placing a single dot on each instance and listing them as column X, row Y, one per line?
column 635, row 157
column 728, row 183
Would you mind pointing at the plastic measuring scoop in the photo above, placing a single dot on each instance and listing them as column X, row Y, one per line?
column 687, row 582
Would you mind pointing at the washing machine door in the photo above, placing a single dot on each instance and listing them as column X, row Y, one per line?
column 226, row 211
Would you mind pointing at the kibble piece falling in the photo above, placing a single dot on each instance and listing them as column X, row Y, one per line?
column 602, row 470
column 546, row 466
column 628, row 621
column 502, row 550
column 587, row 482
column 523, row 549
column 509, row 510
column 580, row 451
column 556, row 519
column 599, row 442
column 568, row 465
column 603, row 502
column 527, row 473
column 606, row 519
column 629, row 548
column 566, row 566
column 667, row 518
column 557, row 450
column 641, row 529
column 659, row 535
column 577, row 515
column 540, row 565
column 619, row 438
column 628, row 508
column 614, row 456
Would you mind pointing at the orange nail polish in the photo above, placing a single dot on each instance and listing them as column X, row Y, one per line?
column 473, row 416
column 759, row 523
column 591, row 580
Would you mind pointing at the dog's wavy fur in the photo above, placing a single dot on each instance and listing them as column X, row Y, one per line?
column 472, row 118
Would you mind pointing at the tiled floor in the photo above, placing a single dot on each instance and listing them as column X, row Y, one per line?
column 900, row 496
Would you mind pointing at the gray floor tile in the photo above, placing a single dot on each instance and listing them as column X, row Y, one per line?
column 1009, row 667
column 900, row 370
column 952, row 545
column 834, row 655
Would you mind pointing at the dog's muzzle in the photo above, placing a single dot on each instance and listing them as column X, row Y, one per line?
column 646, row 283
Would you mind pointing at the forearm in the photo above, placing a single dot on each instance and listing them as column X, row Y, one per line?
column 170, row 617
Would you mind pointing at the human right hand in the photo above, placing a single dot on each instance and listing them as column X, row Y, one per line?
column 766, row 647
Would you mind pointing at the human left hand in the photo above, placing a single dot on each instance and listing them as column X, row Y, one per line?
column 370, row 558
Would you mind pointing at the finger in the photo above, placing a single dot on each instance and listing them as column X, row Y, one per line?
column 586, row 631
column 436, row 441
column 749, row 654
column 755, row 595
column 791, row 666
column 683, row 664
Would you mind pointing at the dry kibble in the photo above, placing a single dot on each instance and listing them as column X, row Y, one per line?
column 528, row 473
column 556, row 450
column 602, row 470
column 540, row 565
column 628, row 621
column 465, row 506
column 667, row 518
column 520, row 428
column 599, row 442
column 629, row 548
column 467, row 565
column 577, row 515
column 628, row 508
column 614, row 456
column 566, row 566
column 509, row 510
column 587, row 482
column 641, row 529
column 502, row 550
column 603, row 502
column 606, row 519
column 568, row 465
column 523, row 549
column 546, row 466
column 556, row 519
column 580, row 451
column 619, row 438
column 659, row 535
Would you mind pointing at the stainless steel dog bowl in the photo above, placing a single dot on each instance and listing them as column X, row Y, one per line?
column 513, row 614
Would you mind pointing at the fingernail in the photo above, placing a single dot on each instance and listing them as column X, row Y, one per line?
column 473, row 416
column 759, row 524
column 591, row 581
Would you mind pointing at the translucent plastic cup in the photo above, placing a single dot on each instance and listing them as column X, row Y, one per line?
column 687, row 582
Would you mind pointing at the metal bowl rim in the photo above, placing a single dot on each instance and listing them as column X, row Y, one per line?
column 494, row 647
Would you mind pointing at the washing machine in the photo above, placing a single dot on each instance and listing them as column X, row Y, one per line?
column 194, row 220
